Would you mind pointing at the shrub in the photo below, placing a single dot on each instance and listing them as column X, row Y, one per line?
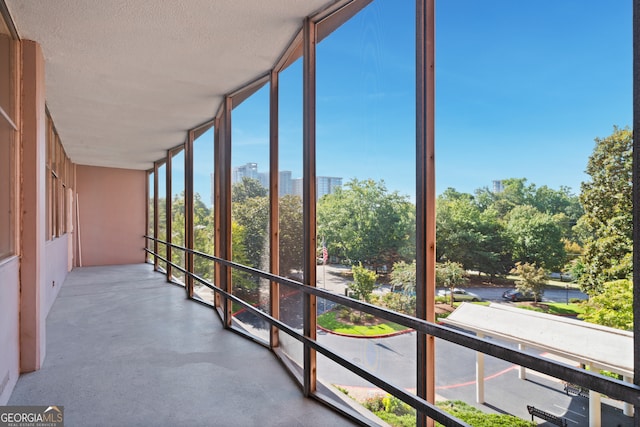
column 355, row 317
column 374, row 404
column 396, row 406
column 477, row 418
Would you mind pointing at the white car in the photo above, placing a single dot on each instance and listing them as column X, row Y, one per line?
column 459, row 295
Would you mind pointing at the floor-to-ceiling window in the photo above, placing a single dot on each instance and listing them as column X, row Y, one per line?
column 290, row 202
column 250, row 205
column 203, row 209
column 365, row 166
column 162, row 211
column 368, row 198
column 177, row 211
column 8, row 130
column 150, row 211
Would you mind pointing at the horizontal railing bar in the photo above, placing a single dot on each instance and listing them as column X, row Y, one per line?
column 430, row 410
column 611, row 387
column 193, row 275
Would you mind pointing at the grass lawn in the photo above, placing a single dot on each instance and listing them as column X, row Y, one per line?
column 555, row 308
column 329, row 321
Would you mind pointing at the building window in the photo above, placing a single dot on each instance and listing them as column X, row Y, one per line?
column 8, row 128
column 59, row 171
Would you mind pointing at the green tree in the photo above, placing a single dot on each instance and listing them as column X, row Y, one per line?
column 247, row 188
column 531, row 279
column 244, row 284
column 613, row 307
column 563, row 205
column 608, row 207
column 450, row 275
column 253, row 215
column 250, row 211
column 516, row 192
column 363, row 222
column 363, row 282
column 202, row 232
column 536, row 237
column 403, row 275
column 291, row 235
column 470, row 236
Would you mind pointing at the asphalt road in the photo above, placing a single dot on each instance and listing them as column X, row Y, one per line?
column 550, row 294
column 394, row 359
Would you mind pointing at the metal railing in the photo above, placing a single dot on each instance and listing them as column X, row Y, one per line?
column 613, row 388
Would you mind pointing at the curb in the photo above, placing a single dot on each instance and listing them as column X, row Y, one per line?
column 389, row 335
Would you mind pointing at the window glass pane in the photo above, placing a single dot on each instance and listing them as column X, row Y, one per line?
column 516, row 121
column 150, row 214
column 177, row 213
column 7, row 196
column 7, row 143
column 203, row 197
column 7, row 73
column 366, row 179
column 49, row 179
column 162, row 212
column 250, row 206
column 290, row 203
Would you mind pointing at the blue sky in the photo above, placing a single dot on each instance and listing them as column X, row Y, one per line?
column 522, row 90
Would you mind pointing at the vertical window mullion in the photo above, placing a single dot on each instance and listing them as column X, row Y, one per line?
column 309, row 199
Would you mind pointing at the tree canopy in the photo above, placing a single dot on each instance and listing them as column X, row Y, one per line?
column 613, row 307
column 608, row 212
column 363, row 222
column 536, row 237
column 531, row 279
column 363, row 282
column 490, row 231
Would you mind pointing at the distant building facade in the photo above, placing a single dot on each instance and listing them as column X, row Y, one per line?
column 324, row 184
column 497, row 187
column 249, row 170
column 327, row 185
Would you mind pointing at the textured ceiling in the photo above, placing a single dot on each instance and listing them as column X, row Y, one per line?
column 126, row 79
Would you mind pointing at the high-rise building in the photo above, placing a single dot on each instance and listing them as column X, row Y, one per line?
column 249, row 170
column 324, row 185
column 327, row 185
column 263, row 177
column 497, row 187
column 285, row 183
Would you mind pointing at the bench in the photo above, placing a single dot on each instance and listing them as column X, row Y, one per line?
column 576, row 390
column 553, row 419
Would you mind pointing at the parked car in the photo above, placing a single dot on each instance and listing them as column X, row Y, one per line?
column 459, row 295
column 516, row 295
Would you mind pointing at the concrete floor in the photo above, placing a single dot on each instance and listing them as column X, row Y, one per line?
column 126, row 348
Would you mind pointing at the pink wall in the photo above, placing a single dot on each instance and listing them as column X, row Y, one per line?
column 9, row 327
column 112, row 215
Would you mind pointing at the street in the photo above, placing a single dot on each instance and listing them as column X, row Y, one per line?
column 394, row 359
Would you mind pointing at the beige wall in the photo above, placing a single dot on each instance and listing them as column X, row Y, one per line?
column 112, row 215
